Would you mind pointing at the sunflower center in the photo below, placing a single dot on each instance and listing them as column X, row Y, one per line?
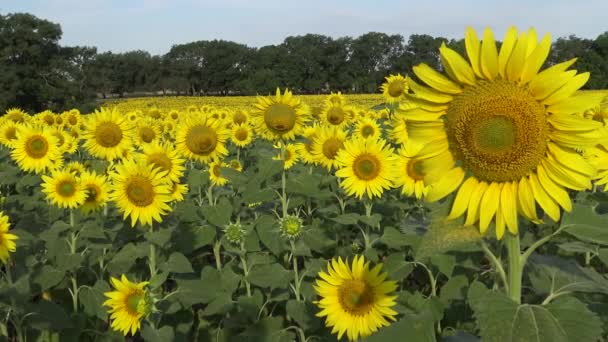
column 335, row 115
column 60, row 138
column 92, row 192
column 72, row 120
column 11, row 133
column 280, row 117
column 396, row 88
column 140, row 191
column 356, row 297
column 217, row 170
column 160, row 160
column 239, row 118
column 241, row 134
column 66, row 188
column 366, row 167
column 108, row 134
column 37, row 147
column 49, row 120
column 498, row 130
column 201, row 139
column 135, row 303
column 331, row 147
column 414, row 169
column 146, row 134
column 367, row 131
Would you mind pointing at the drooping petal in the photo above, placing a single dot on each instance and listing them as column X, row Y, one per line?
column 472, row 46
column 456, row 66
column 489, row 55
column 536, row 60
column 506, row 49
column 436, row 80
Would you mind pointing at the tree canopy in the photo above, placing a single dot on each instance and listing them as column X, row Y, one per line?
column 38, row 73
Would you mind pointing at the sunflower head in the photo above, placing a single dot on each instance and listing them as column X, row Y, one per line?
column 16, row 115
column 7, row 240
column 202, row 139
column 129, row 303
column 64, row 189
column 35, row 149
column 235, row 233
column 279, row 117
column 215, row 173
column 291, row 226
column 395, row 88
column 107, row 134
column 96, row 189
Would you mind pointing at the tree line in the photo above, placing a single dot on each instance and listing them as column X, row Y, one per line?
column 38, row 73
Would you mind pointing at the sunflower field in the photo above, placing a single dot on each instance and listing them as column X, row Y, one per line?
column 462, row 204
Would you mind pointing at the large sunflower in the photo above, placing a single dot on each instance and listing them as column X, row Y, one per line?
column 35, row 149
column 7, row 240
column 147, row 130
column 107, row 134
column 395, row 88
column 165, row 157
column 8, row 132
column 242, row 135
column 201, row 138
column 355, row 300
column 64, row 189
column 366, row 166
column 510, row 129
column 367, row 128
column 129, row 303
column 279, row 117
column 141, row 191
column 96, row 189
column 326, row 144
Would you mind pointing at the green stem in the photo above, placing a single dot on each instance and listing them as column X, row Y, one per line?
column 210, row 194
column 7, row 270
column 295, row 270
column 515, row 266
column 368, row 208
column 74, row 281
column 497, row 265
column 152, row 261
column 238, row 154
column 283, row 182
column 245, row 269
column 216, row 254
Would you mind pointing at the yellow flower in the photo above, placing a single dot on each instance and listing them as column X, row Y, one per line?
column 367, row 128
column 395, row 88
column 355, row 300
column 335, row 99
column 16, row 115
column 366, row 166
column 75, row 167
column 337, row 115
column 326, row 144
column 397, row 132
column 63, row 189
column 7, row 240
column 8, row 132
column 305, row 148
column 200, row 138
column 215, row 173
column 281, row 117
column 510, row 131
column 291, row 156
column 410, row 175
column 147, row 130
column 240, row 117
column 242, row 135
column 35, row 149
column 107, row 134
column 140, row 191
column 165, row 157
column 178, row 191
column 598, row 158
column 96, row 189
column 129, row 303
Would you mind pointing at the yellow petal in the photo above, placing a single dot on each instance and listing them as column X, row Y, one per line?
column 500, row 225
column 556, row 192
column 456, row 66
column 525, row 199
column 472, row 46
column 532, row 41
column 446, row 185
column 542, row 198
column 506, row 49
column 489, row 55
column 425, row 132
column 461, row 202
column 436, row 80
column 536, row 60
column 474, row 203
column 428, row 94
column 571, row 160
column 548, row 81
column 488, row 206
column 576, row 103
column 573, row 123
column 508, row 206
column 515, row 64
column 566, row 177
column 568, row 89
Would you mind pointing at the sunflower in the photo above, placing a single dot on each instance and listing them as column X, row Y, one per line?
column 367, row 166
column 335, row 99
column 141, row 192
column 173, row 115
column 75, row 167
column 215, row 173
column 355, row 299
column 129, row 303
column 165, row 157
column 309, row 134
column 236, row 165
column 178, row 191
column 367, row 128
column 7, row 240
column 46, row 118
column 147, row 130
column 107, row 134
column 240, row 117
column 336, row 115
column 202, row 139
column 291, row 156
column 598, row 158
column 133, row 116
column 397, row 132
column 35, row 149
column 510, row 129
column 326, row 145
column 395, row 88
column 64, row 189
column 72, row 118
column 16, row 115
column 8, row 132
column 242, row 135
column 410, row 175
column 96, row 189
column 281, row 117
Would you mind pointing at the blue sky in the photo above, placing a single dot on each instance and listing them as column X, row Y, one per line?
column 155, row 25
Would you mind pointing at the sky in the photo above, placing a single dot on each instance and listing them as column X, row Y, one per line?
column 156, row 25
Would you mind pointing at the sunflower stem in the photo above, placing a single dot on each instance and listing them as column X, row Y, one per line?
column 283, row 181
column 515, row 266
column 210, row 194
column 238, row 154
column 496, row 264
column 368, row 208
column 295, row 270
column 216, row 254
column 7, row 271
column 72, row 244
column 243, row 256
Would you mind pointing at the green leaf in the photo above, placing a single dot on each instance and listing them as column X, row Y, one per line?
column 393, row 238
column 178, row 263
column 211, row 284
column 586, row 224
column 219, row 305
column 397, row 267
column 454, row 289
column 219, row 214
column 46, row 315
column 151, row 334
column 317, row 239
column 446, row 236
column 187, row 211
column 550, row 274
column 346, row 219
column 304, row 314
column 69, row 262
column 270, row 275
column 579, row 323
column 413, row 327
column 158, row 280
column 92, row 299
column 268, row 232
column 190, row 238
column 445, row 263
column 158, row 237
column 123, row 260
column 267, row 329
column 47, row 277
